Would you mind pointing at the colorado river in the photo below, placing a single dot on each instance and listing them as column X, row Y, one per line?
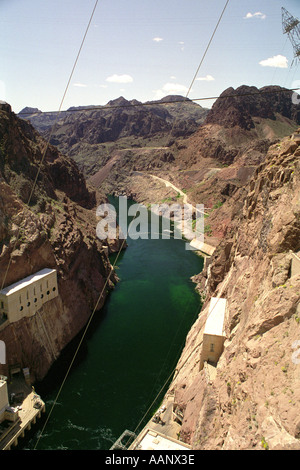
column 131, row 348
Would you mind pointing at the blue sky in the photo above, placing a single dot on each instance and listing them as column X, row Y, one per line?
column 139, row 49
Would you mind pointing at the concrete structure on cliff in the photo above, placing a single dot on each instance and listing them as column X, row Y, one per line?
column 8, row 415
column 25, row 297
column 213, row 336
column 20, row 407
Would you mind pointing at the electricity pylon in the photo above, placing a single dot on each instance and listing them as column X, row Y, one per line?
column 291, row 27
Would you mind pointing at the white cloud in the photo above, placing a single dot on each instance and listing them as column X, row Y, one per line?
column 80, row 85
column 119, row 78
column 257, row 14
column 171, row 89
column 157, row 39
column 207, row 78
column 278, row 61
column 175, row 88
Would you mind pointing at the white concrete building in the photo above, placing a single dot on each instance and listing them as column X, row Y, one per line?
column 154, row 440
column 25, row 297
column 214, row 335
column 7, row 413
column 3, row 398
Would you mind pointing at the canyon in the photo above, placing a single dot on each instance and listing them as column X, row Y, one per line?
column 241, row 159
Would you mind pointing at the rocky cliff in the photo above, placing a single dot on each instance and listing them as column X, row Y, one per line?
column 250, row 400
column 241, row 106
column 57, row 230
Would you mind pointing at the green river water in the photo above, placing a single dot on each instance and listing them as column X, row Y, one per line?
column 131, row 348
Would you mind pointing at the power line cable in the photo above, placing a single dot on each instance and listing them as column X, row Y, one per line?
column 91, row 109
column 100, row 296
column 108, row 278
column 49, row 138
column 79, row 344
column 161, row 103
column 185, row 360
column 38, row 172
column 207, row 48
column 84, row 333
column 179, row 328
column 199, row 307
column 181, row 102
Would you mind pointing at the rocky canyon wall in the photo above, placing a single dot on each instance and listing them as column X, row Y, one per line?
column 56, row 229
column 250, row 400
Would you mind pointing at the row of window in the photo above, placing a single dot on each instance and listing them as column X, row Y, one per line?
column 34, row 292
column 35, row 299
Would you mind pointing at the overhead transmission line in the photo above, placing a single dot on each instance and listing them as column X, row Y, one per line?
column 115, row 261
column 35, row 181
column 162, row 103
column 198, row 308
column 111, row 107
column 207, row 47
column 49, row 138
column 112, row 267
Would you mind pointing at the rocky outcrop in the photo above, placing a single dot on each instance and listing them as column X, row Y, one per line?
column 239, row 107
column 57, row 229
column 251, row 399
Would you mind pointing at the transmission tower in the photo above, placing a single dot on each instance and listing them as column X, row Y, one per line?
column 291, row 27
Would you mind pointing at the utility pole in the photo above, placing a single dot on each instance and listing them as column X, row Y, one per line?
column 291, row 27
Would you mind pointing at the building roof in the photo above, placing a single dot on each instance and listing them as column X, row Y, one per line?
column 26, row 281
column 216, row 314
column 153, row 440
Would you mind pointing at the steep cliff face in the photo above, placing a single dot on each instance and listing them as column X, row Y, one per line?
column 251, row 399
column 241, row 106
column 56, row 230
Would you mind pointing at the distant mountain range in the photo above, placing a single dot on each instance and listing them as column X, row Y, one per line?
column 87, row 134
